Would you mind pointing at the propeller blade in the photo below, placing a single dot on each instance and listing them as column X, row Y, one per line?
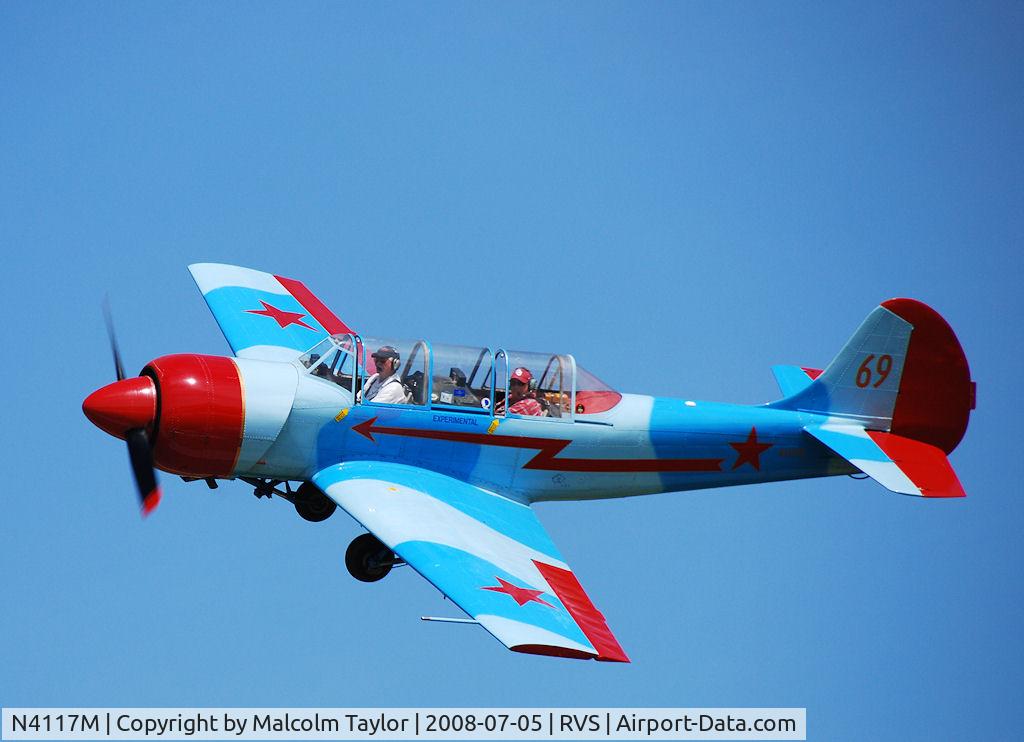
column 142, row 467
column 118, row 367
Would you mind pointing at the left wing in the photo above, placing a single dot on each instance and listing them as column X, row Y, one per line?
column 488, row 554
column 264, row 316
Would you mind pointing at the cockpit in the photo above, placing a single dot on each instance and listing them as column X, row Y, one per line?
column 457, row 378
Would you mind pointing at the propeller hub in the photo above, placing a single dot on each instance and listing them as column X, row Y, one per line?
column 122, row 406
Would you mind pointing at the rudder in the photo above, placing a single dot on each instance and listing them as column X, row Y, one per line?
column 936, row 394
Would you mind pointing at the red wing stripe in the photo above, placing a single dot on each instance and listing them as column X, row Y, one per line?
column 314, row 306
column 925, row 465
column 570, row 592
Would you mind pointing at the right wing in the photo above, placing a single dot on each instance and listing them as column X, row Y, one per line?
column 488, row 554
column 263, row 316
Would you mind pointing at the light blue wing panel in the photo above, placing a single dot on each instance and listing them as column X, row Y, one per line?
column 488, row 554
column 263, row 316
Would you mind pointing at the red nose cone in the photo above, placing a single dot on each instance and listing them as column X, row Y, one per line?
column 123, row 405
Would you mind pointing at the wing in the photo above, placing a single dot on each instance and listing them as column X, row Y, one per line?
column 896, row 462
column 488, row 554
column 264, row 316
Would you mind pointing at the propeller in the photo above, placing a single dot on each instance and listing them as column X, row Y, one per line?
column 139, row 451
column 109, row 319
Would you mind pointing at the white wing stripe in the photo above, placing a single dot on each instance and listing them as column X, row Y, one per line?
column 397, row 514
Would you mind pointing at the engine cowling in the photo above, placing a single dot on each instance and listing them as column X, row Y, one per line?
column 200, row 414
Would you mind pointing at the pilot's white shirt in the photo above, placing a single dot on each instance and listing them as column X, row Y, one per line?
column 390, row 391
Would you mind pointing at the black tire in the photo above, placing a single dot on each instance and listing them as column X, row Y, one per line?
column 367, row 559
column 312, row 504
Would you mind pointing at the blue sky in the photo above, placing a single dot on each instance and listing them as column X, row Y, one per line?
column 679, row 194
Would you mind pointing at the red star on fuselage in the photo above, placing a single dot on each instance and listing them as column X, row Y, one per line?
column 282, row 317
column 750, row 451
column 522, row 595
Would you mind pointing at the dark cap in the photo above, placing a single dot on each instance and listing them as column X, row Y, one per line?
column 386, row 351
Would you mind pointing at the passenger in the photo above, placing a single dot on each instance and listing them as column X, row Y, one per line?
column 520, row 399
column 384, row 386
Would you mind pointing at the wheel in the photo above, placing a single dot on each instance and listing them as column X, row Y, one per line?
column 312, row 504
column 367, row 559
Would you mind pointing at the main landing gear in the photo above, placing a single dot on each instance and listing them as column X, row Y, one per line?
column 310, row 503
column 369, row 560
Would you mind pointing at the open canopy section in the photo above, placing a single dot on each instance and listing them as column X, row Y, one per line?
column 462, row 378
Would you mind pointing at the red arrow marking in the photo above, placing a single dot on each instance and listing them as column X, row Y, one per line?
column 549, row 449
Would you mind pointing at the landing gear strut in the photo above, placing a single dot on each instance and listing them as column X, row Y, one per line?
column 369, row 560
column 309, row 501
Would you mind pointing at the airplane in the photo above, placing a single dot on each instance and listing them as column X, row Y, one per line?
column 443, row 474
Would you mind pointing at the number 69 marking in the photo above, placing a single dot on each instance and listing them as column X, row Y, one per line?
column 882, row 367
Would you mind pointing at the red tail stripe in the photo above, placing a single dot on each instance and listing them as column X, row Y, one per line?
column 314, row 306
column 590, row 620
column 936, row 393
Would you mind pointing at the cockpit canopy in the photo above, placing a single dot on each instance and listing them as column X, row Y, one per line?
column 466, row 379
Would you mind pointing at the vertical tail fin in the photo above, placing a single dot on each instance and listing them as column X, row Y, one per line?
column 902, row 372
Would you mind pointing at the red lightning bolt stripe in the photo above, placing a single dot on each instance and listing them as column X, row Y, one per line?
column 546, row 458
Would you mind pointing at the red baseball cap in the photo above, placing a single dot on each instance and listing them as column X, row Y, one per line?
column 523, row 375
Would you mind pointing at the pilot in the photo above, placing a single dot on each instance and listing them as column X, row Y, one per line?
column 521, row 401
column 384, row 386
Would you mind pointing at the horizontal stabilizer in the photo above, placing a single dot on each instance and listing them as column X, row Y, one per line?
column 898, row 463
column 792, row 379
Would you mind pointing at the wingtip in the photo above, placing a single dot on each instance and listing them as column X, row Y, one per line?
column 551, row 650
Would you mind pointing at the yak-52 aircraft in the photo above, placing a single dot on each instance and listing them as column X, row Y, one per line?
column 443, row 473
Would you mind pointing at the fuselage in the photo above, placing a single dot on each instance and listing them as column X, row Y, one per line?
column 215, row 417
column 642, row 445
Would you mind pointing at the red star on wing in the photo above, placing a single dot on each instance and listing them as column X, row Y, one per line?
column 521, row 595
column 750, row 451
column 282, row 317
